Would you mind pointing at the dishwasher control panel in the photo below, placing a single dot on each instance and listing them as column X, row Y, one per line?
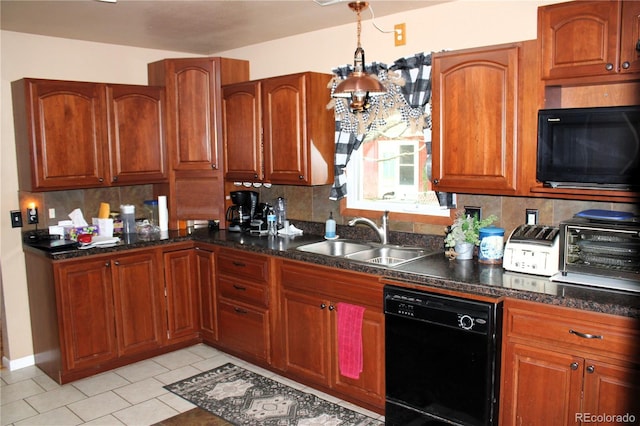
column 463, row 314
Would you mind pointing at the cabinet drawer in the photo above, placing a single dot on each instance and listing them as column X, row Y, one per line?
column 244, row 265
column 244, row 330
column 242, row 291
column 588, row 332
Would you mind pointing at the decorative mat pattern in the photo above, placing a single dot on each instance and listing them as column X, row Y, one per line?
column 243, row 397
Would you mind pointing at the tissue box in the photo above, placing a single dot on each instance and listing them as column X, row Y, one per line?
column 72, row 232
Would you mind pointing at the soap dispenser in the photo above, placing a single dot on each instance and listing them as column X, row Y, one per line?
column 330, row 227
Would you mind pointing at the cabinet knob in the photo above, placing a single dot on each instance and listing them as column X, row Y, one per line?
column 331, row 307
column 115, row 178
column 214, row 166
column 300, row 177
column 609, row 66
column 107, row 264
column 436, row 181
column 591, row 369
column 638, row 46
column 626, row 65
column 574, row 366
column 115, row 262
column 100, row 180
column 322, row 306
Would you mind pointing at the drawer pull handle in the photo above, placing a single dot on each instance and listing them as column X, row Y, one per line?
column 239, row 264
column 586, row 335
column 240, row 311
column 239, row 287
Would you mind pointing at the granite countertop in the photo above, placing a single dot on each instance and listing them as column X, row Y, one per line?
column 434, row 271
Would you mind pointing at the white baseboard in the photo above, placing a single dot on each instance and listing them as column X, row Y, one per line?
column 16, row 364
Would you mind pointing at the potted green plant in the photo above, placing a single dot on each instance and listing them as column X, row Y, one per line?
column 464, row 234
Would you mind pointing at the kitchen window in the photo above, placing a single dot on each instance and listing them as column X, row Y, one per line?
column 391, row 171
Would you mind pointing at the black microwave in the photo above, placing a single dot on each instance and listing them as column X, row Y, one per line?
column 589, row 148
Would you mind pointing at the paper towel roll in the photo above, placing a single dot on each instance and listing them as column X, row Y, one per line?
column 163, row 213
column 104, row 211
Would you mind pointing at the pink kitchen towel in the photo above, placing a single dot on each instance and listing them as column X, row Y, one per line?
column 350, row 339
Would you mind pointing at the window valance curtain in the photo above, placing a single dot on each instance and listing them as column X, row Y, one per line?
column 408, row 83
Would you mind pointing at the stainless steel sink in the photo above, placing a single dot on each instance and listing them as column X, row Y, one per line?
column 388, row 256
column 335, row 247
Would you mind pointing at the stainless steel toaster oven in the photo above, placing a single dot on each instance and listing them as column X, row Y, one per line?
column 601, row 253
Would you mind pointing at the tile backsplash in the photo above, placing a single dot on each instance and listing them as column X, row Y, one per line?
column 312, row 204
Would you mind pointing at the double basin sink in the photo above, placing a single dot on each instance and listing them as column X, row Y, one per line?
column 377, row 254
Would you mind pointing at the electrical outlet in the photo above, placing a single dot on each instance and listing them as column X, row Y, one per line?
column 531, row 217
column 52, row 213
column 400, row 34
column 16, row 219
column 32, row 215
column 473, row 211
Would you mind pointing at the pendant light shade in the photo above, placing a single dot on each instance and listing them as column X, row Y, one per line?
column 359, row 85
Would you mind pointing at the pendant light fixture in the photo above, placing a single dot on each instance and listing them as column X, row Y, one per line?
column 359, row 85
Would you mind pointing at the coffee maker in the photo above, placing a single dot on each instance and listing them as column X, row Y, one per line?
column 240, row 214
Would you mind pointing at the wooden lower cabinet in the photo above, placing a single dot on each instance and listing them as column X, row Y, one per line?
column 309, row 296
column 243, row 291
column 551, row 375
column 206, row 272
column 182, row 294
column 94, row 313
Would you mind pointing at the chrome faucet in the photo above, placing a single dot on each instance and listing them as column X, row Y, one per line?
column 382, row 231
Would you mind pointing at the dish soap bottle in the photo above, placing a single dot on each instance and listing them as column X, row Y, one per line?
column 330, row 227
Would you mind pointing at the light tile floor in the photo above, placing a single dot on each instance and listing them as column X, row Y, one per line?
column 130, row 395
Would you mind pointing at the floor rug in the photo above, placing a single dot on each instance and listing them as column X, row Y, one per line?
column 243, row 397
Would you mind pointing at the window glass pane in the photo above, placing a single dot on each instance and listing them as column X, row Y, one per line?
column 392, row 171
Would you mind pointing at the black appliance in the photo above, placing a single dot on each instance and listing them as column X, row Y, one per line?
column 240, row 214
column 442, row 359
column 259, row 220
column 589, row 147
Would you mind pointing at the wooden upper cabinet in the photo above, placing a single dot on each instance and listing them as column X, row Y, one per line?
column 81, row 135
column 60, row 129
column 242, row 131
column 475, row 120
column 193, row 87
column 591, row 40
column 136, row 134
column 298, row 129
column 279, row 130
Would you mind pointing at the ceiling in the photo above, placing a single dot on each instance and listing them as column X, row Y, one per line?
column 200, row 27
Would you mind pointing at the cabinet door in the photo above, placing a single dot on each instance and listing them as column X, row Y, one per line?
column 66, row 133
column 245, row 329
column 138, row 302
column 181, row 287
column 540, row 387
column 475, row 118
column 87, row 316
column 370, row 386
column 193, row 111
column 630, row 38
column 611, row 389
column 205, row 263
column 285, row 129
column 579, row 39
column 306, row 335
column 242, row 132
column 136, row 134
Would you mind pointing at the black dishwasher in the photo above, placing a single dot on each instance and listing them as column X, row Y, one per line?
column 442, row 359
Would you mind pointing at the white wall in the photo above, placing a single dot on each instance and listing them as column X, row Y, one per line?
column 454, row 25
